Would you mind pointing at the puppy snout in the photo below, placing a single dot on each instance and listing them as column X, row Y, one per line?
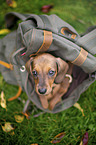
column 42, row 90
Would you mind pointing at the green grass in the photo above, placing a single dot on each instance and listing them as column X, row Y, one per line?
column 41, row 130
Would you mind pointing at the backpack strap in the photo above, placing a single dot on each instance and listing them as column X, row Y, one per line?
column 17, row 95
column 88, row 42
column 7, row 65
column 12, row 17
column 47, row 41
column 46, row 21
column 80, row 59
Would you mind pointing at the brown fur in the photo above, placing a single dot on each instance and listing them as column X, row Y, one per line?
column 41, row 65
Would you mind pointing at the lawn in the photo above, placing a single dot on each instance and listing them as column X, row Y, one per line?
column 42, row 129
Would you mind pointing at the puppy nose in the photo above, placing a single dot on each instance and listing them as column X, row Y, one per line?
column 42, row 90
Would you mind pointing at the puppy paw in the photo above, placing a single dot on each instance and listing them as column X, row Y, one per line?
column 53, row 102
column 51, row 106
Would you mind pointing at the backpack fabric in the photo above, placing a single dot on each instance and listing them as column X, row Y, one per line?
column 43, row 33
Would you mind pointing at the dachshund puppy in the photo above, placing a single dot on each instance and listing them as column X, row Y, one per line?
column 51, row 80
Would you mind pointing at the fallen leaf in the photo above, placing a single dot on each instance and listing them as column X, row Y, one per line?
column 58, row 138
column 84, row 140
column 14, row 4
column 46, row 8
column 7, row 127
column 34, row 144
column 79, row 107
column 81, row 143
column 19, row 118
column 4, row 31
column 11, row 3
column 2, row 100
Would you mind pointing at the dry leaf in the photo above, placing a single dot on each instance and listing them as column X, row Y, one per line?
column 11, row 3
column 58, row 138
column 46, row 8
column 34, row 144
column 84, row 140
column 4, row 31
column 14, row 4
column 2, row 100
column 7, row 127
column 78, row 106
column 81, row 143
column 19, row 118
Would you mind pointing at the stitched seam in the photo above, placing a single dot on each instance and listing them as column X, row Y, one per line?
column 46, row 44
column 33, row 38
column 42, row 44
column 77, row 57
column 89, row 39
column 81, row 57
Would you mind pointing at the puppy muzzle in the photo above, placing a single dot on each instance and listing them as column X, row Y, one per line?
column 42, row 91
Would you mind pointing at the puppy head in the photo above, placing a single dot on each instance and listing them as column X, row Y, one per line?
column 46, row 69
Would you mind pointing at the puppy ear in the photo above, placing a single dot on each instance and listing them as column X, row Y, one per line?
column 28, row 65
column 62, row 68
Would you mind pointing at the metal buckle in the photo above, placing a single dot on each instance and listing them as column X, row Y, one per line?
column 70, row 77
column 22, row 69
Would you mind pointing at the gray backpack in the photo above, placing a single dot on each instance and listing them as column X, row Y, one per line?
column 42, row 33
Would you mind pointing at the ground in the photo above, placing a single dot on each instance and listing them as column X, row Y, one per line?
column 41, row 130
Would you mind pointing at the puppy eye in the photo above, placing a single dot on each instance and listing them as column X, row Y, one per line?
column 34, row 73
column 51, row 73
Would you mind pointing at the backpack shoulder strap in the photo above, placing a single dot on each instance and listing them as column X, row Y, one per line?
column 12, row 17
column 88, row 41
column 7, row 65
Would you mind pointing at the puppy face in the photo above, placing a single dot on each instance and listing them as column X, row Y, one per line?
column 45, row 69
